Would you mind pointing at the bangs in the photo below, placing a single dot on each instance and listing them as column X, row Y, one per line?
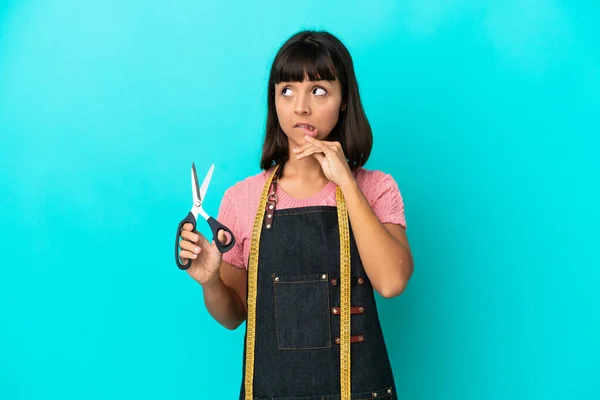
column 304, row 59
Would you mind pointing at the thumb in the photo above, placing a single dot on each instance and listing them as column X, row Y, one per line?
column 222, row 236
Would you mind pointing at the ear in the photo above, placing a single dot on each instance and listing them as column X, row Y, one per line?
column 343, row 108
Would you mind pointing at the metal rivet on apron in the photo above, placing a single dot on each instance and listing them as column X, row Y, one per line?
column 334, row 310
column 361, row 338
column 271, row 207
column 268, row 226
column 361, row 281
column 361, row 310
column 337, row 340
column 276, row 279
column 333, row 281
column 269, row 215
column 389, row 390
column 324, row 276
column 374, row 394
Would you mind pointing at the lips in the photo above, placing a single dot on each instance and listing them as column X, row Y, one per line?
column 304, row 125
column 308, row 129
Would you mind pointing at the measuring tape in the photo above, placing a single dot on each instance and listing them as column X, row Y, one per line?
column 342, row 212
column 252, row 291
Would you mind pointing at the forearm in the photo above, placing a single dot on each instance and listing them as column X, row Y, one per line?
column 223, row 304
column 387, row 262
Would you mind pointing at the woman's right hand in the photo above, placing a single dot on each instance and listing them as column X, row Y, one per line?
column 206, row 257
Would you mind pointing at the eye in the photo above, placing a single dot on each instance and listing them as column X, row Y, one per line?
column 286, row 91
column 319, row 91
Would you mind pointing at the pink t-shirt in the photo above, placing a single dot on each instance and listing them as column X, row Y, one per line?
column 240, row 204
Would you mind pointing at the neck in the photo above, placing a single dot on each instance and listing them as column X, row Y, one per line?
column 307, row 169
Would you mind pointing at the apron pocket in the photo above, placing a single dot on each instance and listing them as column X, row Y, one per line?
column 302, row 312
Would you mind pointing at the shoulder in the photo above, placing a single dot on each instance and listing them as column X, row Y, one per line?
column 373, row 180
column 368, row 175
column 248, row 188
column 383, row 194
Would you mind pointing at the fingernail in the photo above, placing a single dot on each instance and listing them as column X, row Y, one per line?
column 194, row 256
column 197, row 249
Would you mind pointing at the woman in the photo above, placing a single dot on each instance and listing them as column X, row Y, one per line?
column 316, row 235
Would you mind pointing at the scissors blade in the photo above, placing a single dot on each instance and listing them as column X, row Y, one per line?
column 195, row 189
column 206, row 182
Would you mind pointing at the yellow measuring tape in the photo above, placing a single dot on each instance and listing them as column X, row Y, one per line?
column 342, row 212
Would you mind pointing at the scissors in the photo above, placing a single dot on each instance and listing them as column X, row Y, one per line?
column 198, row 194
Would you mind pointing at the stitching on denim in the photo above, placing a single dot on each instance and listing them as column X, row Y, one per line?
column 329, row 313
column 276, row 318
column 304, row 212
column 304, row 348
column 314, row 277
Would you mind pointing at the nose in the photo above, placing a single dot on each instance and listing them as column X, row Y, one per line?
column 302, row 105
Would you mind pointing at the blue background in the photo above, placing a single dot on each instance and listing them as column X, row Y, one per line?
column 486, row 113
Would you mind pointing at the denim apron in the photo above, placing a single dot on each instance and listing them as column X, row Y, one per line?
column 297, row 329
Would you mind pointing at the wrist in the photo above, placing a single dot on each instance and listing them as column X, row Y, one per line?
column 212, row 283
column 348, row 185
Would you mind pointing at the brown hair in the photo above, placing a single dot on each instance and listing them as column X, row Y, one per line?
column 318, row 55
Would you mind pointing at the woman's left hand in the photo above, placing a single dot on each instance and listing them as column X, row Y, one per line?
column 331, row 157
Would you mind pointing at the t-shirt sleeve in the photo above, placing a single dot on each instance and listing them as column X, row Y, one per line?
column 386, row 200
column 229, row 216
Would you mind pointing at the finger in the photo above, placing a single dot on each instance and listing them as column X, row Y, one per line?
column 332, row 145
column 186, row 255
column 317, row 143
column 191, row 247
column 222, row 236
column 191, row 236
column 335, row 147
column 194, row 237
column 187, row 227
column 302, row 147
column 340, row 150
column 309, row 152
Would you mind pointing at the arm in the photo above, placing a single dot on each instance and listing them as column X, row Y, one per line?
column 224, row 285
column 383, row 248
column 225, row 296
column 225, row 291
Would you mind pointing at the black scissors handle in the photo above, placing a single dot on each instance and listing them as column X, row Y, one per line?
column 189, row 218
column 216, row 227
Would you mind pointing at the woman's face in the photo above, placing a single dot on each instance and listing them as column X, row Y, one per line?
column 308, row 108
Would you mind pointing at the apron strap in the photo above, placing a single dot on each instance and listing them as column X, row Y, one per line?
column 272, row 197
